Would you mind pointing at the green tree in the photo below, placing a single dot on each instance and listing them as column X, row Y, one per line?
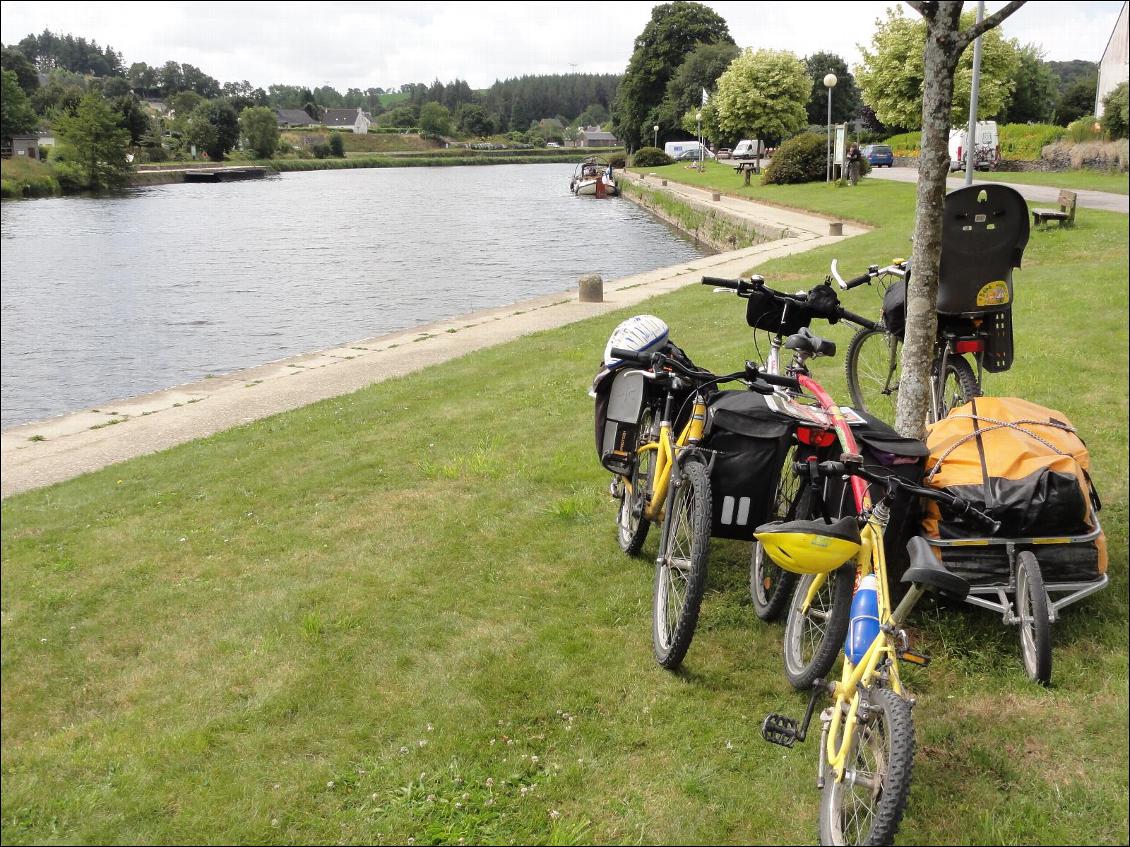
column 260, row 130
column 594, row 115
column 845, row 96
column 16, row 114
column 13, row 60
column 183, row 103
column 1078, row 100
column 700, row 70
column 400, row 116
column 892, row 76
column 762, row 95
column 673, row 31
column 1034, row 88
column 337, row 146
column 435, row 119
column 92, row 146
column 1116, row 112
column 198, row 129
column 131, row 116
column 473, row 120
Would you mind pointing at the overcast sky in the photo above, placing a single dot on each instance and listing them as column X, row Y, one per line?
column 386, row 44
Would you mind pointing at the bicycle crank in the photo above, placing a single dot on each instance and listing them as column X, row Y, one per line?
column 786, row 731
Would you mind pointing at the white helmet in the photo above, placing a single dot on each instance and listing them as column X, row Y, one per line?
column 641, row 334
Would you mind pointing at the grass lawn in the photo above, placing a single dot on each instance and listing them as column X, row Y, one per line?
column 402, row 614
column 1087, row 180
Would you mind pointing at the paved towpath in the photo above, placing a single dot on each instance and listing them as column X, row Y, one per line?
column 42, row 453
column 1045, row 195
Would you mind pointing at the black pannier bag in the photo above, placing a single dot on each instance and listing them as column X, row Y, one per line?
column 622, row 394
column 750, row 442
column 763, row 311
column 885, row 452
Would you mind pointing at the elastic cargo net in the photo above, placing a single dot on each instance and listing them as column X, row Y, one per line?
column 1025, row 465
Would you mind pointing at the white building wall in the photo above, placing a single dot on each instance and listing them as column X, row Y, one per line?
column 1115, row 65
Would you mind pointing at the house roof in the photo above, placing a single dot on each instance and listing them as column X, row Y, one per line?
column 341, row 117
column 295, row 117
column 597, row 135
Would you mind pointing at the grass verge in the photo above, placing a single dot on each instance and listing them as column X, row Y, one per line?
column 402, row 614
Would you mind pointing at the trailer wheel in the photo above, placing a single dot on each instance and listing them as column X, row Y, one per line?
column 1035, row 626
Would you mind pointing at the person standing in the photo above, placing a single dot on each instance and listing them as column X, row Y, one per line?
column 854, row 163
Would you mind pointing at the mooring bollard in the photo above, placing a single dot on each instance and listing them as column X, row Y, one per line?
column 836, row 228
column 716, row 196
column 664, row 183
column 590, row 289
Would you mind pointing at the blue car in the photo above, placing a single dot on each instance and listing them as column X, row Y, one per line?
column 879, row 155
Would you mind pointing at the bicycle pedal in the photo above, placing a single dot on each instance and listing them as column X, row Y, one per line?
column 919, row 659
column 779, row 729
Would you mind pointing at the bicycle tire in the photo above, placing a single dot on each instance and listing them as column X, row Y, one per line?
column 1035, row 625
column 631, row 526
column 872, row 368
column 771, row 587
column 680, row 574
column 881, row 753
column 813, row 640
column 965, row 389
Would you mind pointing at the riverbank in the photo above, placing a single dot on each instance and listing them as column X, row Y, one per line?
column 52, row 450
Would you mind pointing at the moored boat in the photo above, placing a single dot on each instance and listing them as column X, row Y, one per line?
column 593, row 178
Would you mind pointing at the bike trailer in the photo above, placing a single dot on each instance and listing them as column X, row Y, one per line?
column 1025, row 465
column 750, row 442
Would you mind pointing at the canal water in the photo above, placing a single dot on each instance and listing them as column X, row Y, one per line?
column 112, row 297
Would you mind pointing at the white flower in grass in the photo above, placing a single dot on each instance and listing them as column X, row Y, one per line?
column 524, row 790
column 430, row 727
column 431, row 798
column 330, row 784
column 554, row 814
column 534, row 759
column 274, row 821
column 729, row 744
column 458, row 805
column 403, row 750
column 422, row 743
column 490, row 782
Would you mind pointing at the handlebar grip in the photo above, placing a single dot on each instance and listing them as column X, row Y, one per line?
column 866, row 323
column 756, row 375
column 632, row 356
column 859, row 280
column 721, row 282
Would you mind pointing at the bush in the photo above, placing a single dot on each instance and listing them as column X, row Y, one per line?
column 1083, row 129
column 800, row 159
column 337, row 146
column 321, row 151
column 650, row 157
column 1116, row 112
column 619, row 160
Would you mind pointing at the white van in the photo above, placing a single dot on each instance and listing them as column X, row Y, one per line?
column 986, row 153
column 686, row 150
column 748, row 149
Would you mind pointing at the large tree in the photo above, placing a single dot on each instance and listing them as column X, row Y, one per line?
column 673, row 31
column 892, row 78
column 214, row 127
column 16, row 62
column 1034, row 89
column 17, row 115
column 845, row 96
column 761, row 95
column 946, row 39
column 700, row 70
column 435, row 119
column 1078, row 100
column 92, row 146
column 260, row 130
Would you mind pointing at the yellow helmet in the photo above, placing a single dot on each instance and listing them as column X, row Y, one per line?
column 810, row 546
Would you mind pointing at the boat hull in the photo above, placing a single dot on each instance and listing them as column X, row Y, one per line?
column 587, row 188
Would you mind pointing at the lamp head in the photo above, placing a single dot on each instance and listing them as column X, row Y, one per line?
column 830, row 80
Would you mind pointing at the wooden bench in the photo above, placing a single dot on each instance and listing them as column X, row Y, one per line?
column 747, row 167
column 1065, row 214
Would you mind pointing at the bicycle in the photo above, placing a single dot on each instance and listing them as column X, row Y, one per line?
column 867, row 734
column 669, row 483
column 985, row 231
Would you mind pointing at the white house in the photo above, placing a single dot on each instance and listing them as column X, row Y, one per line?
column 1115, row 65
column 355, row 118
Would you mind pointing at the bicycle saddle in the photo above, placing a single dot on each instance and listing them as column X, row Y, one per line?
column 925, row 569
column 806, row 342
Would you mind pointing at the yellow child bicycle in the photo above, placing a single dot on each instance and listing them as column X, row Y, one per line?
column 867, row 735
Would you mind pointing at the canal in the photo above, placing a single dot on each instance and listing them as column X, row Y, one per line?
column 107, row 298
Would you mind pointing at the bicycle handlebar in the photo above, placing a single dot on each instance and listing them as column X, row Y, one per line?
column 818, row 307
column 848, row 284
column 759, row 380
column 855, row 468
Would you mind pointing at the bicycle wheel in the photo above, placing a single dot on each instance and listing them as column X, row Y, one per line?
column 770, row 587
column 872, row 367
column 866, row 806
column 960, row 386
column 680, row 573
column 631, row 525
column 1035, row 626
column 813, row 638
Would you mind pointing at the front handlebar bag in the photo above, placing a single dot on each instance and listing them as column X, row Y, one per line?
column 764, row 311
column 749, row 443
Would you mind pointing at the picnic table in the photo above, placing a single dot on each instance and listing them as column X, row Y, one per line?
column 747, row 167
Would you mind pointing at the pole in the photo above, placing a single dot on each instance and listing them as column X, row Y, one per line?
column 971, row 134
column 829, row 144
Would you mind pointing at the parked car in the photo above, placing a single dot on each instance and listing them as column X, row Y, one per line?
column 723, row 153
column 749, row 148
column 879, row 155
column 692, row 155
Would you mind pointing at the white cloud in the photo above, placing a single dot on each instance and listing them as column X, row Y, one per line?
column 387, row 44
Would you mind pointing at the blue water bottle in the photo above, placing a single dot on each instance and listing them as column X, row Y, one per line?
column 864, row 618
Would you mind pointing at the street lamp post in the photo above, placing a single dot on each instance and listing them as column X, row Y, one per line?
column 655, row 138
column 698, row 121
column 829, row 83
column 971, row 132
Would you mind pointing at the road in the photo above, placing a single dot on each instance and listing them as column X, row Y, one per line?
column 1045, row 195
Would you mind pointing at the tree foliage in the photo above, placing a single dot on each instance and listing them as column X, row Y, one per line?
column 16, row 62
column 803, row 158
column 48, row 51
column 891, row 76
column 92, row 146
column 259, row 130
column 673, row 31
column 435, row 119
column 700, row 70
column 845, row 96
column 213, row 126
column 1116, row 112
column 761, row 95
column 1077, row 101
column 473, row 119
column 1034, row 89
column 16, row 114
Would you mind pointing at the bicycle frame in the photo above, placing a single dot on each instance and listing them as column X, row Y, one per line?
column 666, row 449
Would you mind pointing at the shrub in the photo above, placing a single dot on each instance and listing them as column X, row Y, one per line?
column 337, row 146
column 1083, row 129
column 800, row 159
column 650, row 157
column 1116, row 112
column 618, row 161
column 321, row 151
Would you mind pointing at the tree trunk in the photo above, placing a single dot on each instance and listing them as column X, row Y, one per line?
column 940, row 62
